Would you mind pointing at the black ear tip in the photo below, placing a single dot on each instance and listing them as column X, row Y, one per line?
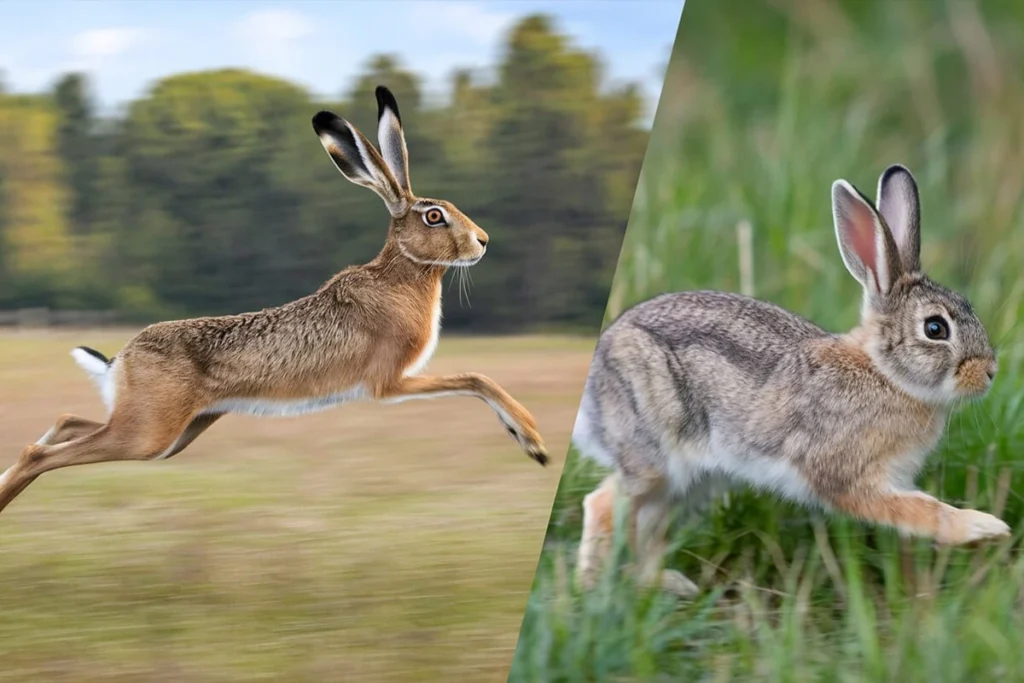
column 386, row 100
column 897, row 169
column 323, row 120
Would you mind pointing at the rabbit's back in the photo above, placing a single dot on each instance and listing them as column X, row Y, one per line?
column 683, row 370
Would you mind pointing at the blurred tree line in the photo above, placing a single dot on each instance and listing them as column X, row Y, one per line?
column 211, row 194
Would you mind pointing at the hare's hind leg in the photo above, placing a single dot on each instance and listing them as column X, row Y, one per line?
column 132, row 433
column 68, row 427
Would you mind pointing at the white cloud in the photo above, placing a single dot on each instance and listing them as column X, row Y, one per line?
column 466, row 19
column 274, row 26
column 272, row 39
column 102, row 44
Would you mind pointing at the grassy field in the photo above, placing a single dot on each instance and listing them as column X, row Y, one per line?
column 765, row 105
column 370, row 543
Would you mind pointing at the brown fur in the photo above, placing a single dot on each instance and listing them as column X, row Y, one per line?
column 363, row 331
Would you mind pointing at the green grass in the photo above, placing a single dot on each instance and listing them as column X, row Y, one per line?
column 762, row 110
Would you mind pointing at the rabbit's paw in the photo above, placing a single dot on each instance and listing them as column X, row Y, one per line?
column 677, row 584
column 971, row 526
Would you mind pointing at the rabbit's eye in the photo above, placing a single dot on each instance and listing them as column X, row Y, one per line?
column 433, row 217
column 936, row 328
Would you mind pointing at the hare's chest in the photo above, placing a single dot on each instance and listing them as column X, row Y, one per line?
column 427, row 343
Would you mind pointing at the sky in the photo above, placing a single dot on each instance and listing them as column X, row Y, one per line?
column 127, row 45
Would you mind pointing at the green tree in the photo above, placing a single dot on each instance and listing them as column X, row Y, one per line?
column 75, row 139
column 211, row 194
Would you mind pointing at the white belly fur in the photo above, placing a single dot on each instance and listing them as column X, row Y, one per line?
column 421, row 361
column 262, row 407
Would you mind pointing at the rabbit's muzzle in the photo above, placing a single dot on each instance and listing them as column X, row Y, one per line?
column 975, row 375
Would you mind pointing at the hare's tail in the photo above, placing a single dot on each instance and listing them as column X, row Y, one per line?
column 98, row 367
column 95, row 364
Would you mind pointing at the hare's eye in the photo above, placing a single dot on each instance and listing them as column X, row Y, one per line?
column 433, row 217
column 936, row 327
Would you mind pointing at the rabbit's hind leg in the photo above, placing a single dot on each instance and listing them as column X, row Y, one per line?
column 598, row 530
column 650, row 513
column 650, row 500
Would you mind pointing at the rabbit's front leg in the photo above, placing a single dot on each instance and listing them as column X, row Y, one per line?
column 917, row 513
column 517, row 419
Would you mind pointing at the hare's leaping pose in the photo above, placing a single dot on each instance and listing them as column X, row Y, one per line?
column 697, row 384
column 365, row 334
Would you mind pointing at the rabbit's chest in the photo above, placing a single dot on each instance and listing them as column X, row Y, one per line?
column 909, row 446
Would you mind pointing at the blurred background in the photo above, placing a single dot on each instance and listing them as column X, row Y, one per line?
column 157, row 161
column 172, row 170
column 765, row 104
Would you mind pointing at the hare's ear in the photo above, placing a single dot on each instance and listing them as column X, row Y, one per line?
column 900, row 207
column 391, row 137
column 358, row 161
column 867, row 247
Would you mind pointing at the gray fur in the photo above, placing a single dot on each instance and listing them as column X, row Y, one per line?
column 692, row 385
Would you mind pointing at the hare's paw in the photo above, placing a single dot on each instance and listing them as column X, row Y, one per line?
column 971, row 526
column 530, row 441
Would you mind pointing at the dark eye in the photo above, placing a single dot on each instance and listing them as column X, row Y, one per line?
column 936, row 328
column 433, row 217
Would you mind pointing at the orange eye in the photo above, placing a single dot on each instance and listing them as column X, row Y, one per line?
column 434, row 217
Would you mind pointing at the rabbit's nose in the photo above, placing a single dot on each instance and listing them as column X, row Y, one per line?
column 990, row 370
column 482, row 241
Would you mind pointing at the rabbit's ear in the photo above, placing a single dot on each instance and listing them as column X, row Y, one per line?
column 899, row 205
column 867, row 247
column 358, row 161
column 392, row 138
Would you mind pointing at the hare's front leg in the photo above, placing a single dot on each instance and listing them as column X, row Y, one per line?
column 917, row 513
column 517, row 420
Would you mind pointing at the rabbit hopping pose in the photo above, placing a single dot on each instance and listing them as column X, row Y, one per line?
column 707, row 384
column 365, row 334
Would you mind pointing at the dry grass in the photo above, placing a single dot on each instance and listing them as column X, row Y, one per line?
column 369, row 543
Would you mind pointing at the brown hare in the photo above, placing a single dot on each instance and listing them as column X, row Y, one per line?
column 707, row 385
column 365, row 334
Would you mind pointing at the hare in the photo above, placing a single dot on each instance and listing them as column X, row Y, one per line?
column 365, row 334
column 692, row 387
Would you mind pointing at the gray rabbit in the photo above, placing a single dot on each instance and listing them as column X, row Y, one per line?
column 697, row 385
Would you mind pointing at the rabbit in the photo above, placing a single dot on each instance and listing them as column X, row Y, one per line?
column 366, row 334
column 687, row 388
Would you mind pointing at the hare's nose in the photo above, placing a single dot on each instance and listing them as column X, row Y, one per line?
column 482, row 241
column 990, row 370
